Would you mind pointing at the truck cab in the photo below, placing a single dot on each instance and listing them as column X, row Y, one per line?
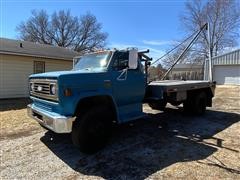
column 103, row 88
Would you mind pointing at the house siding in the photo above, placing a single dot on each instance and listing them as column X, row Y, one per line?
column 227, row 74
column 226, row 68
column 15, row 70
column 230, row 58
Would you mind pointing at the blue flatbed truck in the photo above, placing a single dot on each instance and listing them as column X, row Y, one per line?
column 104, row 88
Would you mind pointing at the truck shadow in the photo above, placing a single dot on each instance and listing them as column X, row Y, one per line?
column 141, row 148
column 14, row 104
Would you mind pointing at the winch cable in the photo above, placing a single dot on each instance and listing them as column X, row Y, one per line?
column 174, row 47
column 196, row 36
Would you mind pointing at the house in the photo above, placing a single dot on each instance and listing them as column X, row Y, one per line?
column 19, row 59
column 187, row 72
column 226, row 68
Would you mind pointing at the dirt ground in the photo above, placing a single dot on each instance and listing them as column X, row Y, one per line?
column 164, row 145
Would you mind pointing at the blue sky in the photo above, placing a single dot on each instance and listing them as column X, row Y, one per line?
column 143, row 24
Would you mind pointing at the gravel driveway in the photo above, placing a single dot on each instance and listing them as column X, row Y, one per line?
column 160, row 146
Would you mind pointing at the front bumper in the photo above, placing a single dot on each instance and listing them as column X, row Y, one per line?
column 51, row 120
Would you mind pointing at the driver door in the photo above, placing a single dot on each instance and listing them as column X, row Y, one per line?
column 128, row 84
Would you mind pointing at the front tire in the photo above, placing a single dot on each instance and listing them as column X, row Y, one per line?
column 91, row 131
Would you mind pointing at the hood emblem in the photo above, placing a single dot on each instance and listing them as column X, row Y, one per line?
column 39, row 88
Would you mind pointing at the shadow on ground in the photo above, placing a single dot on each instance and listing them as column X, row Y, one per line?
column 146, row 146
column 14, row 104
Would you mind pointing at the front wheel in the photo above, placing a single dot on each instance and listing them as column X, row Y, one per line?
column 92, row 130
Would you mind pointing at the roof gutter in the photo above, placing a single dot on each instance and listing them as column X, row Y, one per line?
column 35, row 55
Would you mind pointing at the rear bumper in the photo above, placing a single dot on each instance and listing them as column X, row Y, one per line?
column 50, row 120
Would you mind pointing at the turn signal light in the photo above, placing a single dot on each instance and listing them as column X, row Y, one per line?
column 67, row 92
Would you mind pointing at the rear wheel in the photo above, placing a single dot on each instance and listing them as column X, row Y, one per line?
column 92, row 130
column 158, row 105
column 196, row 104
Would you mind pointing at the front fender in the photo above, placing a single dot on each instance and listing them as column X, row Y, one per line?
column 70, row 104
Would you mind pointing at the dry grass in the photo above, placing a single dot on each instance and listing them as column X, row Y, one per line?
column 227, row 98
column 14, row 120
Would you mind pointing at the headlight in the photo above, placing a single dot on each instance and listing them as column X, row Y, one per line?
column 31, row 86
column 53, row 89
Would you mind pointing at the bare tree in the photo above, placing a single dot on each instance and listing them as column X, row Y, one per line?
column 90, row 35
column 224, row 19
column 156, row 73
column 36, row 29
column 62, row 29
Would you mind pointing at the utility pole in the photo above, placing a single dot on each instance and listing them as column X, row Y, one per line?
column 210, row 55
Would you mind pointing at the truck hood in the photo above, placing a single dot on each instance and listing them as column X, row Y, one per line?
column 57, row 74
column 76, row 78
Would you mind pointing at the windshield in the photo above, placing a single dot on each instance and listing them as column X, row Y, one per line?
column 92, row 61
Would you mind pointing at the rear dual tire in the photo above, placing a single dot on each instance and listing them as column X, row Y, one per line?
column 158, row 105
column 196, row 104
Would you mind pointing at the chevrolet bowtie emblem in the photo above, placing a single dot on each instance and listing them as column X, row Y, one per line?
column 39, row 88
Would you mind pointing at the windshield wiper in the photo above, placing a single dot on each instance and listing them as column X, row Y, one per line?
column 89, row 69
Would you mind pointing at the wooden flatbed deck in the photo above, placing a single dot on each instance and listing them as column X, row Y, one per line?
column 178, row 85
column 177, row 90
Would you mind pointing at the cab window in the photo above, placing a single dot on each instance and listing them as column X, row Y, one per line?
column 120, row 60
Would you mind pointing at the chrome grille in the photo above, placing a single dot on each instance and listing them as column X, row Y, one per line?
column 41, row 88
column 44, row 86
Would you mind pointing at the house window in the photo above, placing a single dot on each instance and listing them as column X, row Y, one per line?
column 39, row 67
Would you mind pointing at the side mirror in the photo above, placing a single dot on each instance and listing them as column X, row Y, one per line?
column 133, row 59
